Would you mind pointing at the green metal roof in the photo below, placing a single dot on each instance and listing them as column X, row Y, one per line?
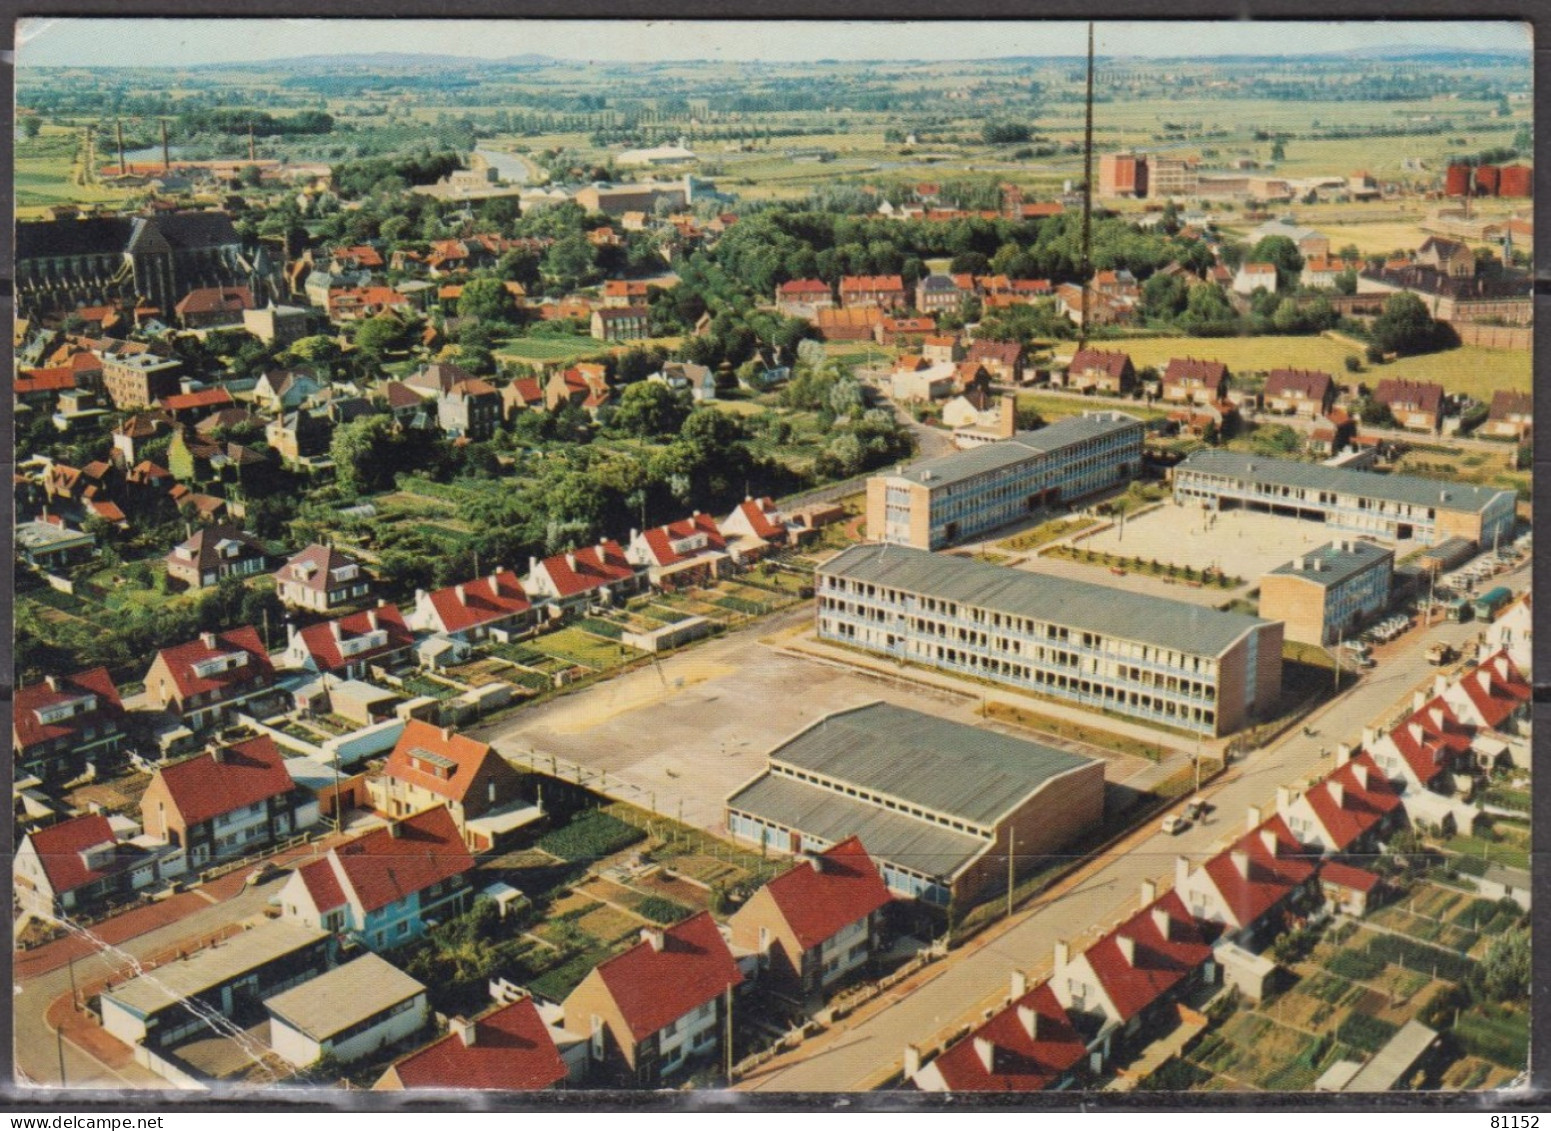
column 963, row 772
column 1334, row 562
column 1107, row 610
column 1410, row 489
column 959, row 466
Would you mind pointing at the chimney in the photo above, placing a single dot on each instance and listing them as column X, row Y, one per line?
column 1031, row 1021
column 634, row 534
column 1337, row 793
column 986, row 1051
column 218, row 755
column 1284, row 798
column 1370, row 736
column 395, row 829
column 1127, row 947
column 495, row 582
column 1268, row 838
column 465, row 1030
column 335, row 631
column 290, row 633
column 1440, row 685
column 1181, row 872
column 533, row 566
column 570, row 560
column 1164, row 922
column 52, row 681
column 463, row 595
column 1020, row 984
column 419, row 597
column 208, row 640
column 912, row 1061
column 655, row 937
column 1240, row 860
column 1418, row 699
column 1343, row 753
column 1149, row 892
column 1063, row 955
column 371, row 619
column 446, row 734
column 1252, row 818
column 1360, row 772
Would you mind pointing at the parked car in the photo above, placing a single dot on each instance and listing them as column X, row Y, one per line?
column 268, row 870
column 1174, row 824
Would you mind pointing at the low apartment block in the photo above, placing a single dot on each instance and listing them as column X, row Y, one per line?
column 1146, row 657
column 1395, row 508
column 1326, row 594
column 945, row 500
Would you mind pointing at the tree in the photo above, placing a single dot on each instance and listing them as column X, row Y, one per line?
column 1278, row 151
column 1505, row 971
column 31, row 125
column 649, row 409
column 485, row 300
column 1283, row 254
column 377, row 336
column 366, row 454
column 1346, row 282
column 1406, row 327
column 251, row 176
column 1376, row 414
column 1004, row 133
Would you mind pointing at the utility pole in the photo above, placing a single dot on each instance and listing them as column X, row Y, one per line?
column 118, row 129
column 59, row 1047
column 75, row 998
column 1087, row 198
column 728, row 992
column 1012, row 857
column 166, row 152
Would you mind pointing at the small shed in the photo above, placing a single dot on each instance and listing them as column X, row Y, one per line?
column 352, row 1011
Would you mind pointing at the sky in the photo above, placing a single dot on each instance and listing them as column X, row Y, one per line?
column 47, row 41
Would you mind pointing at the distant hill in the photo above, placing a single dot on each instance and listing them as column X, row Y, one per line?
column 394, row 60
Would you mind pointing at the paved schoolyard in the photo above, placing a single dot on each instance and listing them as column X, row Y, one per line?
column 1241, row 543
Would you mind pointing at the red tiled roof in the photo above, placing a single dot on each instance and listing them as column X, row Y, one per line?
column 215, row 300
column 180, row 660
column 1113, row 362
column 392, row 862
column 234, row 777
column 107, row 511
column 53, row 380
column 1360, row 807
column 482, row 600
column 652, row 987
column 1358, row 879
column 512, row 1051
column 819, row 902
column 1496, row 688
column 527, row 390
column 400, row 395
column 1310, row 384
column 1430, row 739
column 1423, row 396
column 59, row 848
column 758, row 512
column 204, row 398
column 1511, row 402
column 1020, row 1062
column 803, row 287
column 1007, row 353
column 659, row 539
column 1272, row 875
column 324, row 647
column 922, row 324
column 1160, row 962
column 624, row 288
column 1190, row 369
column 465, row 755
column 322, row 885
column 867, row 283
column 586, row 569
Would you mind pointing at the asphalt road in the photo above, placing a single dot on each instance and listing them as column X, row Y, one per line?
column 857, row 1056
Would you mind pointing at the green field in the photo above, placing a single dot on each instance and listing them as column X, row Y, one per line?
column 1467, row 369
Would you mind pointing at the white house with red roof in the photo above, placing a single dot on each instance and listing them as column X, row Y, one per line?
column 1422, row 752
column 1349, row 811
column 1029, row 1045
column 590, row 575
column 1494, row 694
column 755, row 527
column 659, row 1006
column 683, row 552
column 509, row 1049
column 205, row 679
column 349, row 646
column 435, row 766
column 1135, row 970
column 1348, row 890
column 1513, row 632
column 64, row 723
column 818, row 923
column 382, row 886
column 226, row 802
column 1250, row 887
column 321, row 579
column 75, row 866
column 476, row 609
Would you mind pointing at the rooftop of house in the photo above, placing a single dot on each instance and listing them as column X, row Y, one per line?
column 63, row 850
column 394, row 861
column 192, row 668
column 1165, row 945
column 675, row 971
column 587, row 568
column 347, row 995
column 39, row 710
column 333, row 644
column 225, row 779
column 829, row 891
column 437, row 759
column 1025, row 1047
column 1307, row 383
column 484, row 599
column 511, row 1050
column 1352, row 799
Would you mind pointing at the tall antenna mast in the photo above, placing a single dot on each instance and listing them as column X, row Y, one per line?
column 118, row 129
column 1087, row 198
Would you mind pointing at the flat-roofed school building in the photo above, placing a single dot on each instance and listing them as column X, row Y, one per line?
column 1326, row 593
column 936, row 804
column 1395, row 508
column 1148, row 658
column 940, row 501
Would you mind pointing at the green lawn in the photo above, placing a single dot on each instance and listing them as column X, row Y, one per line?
column 577, row 646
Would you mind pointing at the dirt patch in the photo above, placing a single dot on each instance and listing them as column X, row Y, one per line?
column 675, row 888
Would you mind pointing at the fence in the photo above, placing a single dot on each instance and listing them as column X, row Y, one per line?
column 1494, row 337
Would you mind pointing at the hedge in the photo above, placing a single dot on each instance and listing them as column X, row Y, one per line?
column 1423, row 958
column 660, row 910
column 1356, row 965
column 1364, row 1032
